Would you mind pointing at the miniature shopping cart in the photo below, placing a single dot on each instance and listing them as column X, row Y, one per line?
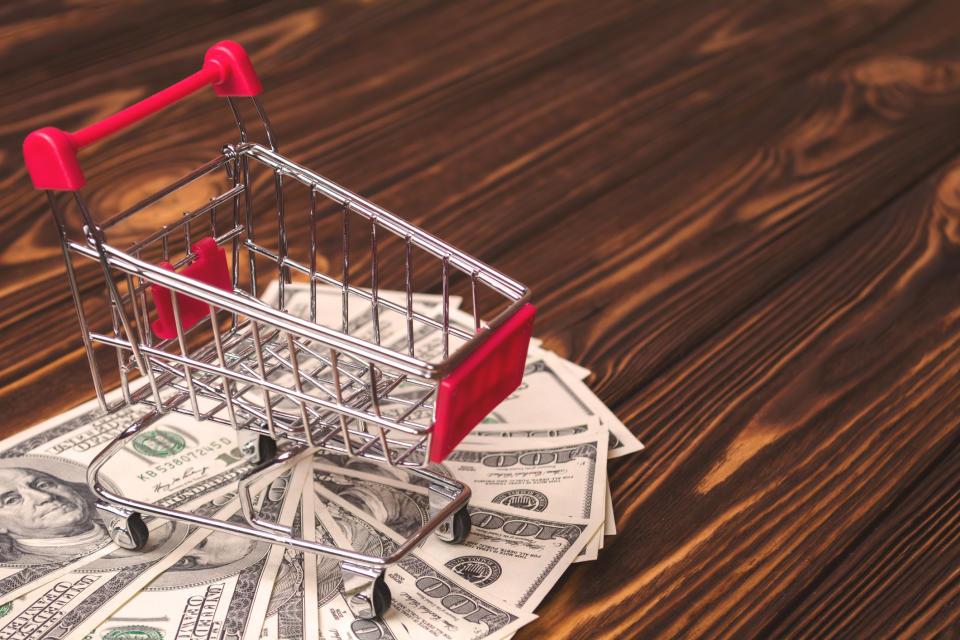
column 176, row 309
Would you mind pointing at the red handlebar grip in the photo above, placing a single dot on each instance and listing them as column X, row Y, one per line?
column 51, row 154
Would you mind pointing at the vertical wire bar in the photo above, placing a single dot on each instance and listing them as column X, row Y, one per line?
column 346, row 267
column 373, row 391
column 313, row 255
column 144, row 313
column 141, row 326
column 283, row 273
column 218, row 342
column 336, row 385
column 78, row 305
column 141, row 323
column 266, row 124
column 267, row 407
column 476, row 301
column 248, row 205
column 187, row 236
column 427, row 446
column 387, row 452
column 235, row 241
column 178, row 321
column 96, row 235
column 374, row 301
column 376, row 408
column 213, row 222
column 166, row 247
column 409, row 288
column 238, row 118
column 148, row 333
column 121, row 365
column 153, row 386
column 446, row 306
column 307, row 431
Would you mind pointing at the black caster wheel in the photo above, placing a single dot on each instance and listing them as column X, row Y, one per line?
column 130, row 533
column 266, row 448
column 381, row 596
column 371, row 600
column 461, row 527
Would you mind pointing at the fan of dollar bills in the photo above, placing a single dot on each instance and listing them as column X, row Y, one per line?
column 536, row 467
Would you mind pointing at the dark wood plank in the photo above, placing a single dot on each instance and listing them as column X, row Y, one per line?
column 775, row 186
column 834, row 200
column 34, row 280
column 691, row 189
column 901, row 577
column 429, row 145
column 789, row 452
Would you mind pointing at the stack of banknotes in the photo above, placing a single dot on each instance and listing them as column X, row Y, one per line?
column 537, row 467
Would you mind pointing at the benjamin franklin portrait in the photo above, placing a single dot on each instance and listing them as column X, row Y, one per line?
column 47, row 513
column 396, row 508
column 217, row 557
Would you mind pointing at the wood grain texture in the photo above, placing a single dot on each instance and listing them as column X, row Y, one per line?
column 794, row 429
column 741, row 215
column 461, row 163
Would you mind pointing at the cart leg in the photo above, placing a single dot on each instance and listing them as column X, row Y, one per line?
column 365, row 590
column 257, row 447
column 125, row 527
column 456, row 527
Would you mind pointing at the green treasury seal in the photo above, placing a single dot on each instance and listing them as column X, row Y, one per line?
column 135, row 632
column 159, row 443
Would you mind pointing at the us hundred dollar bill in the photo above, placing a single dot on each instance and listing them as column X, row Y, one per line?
column 563, row 476
column 548, row 392
column 48, row 523
column 77, row 602
column 520, row 477
column 329, row 301
column 429, row 600
column 558, row 476
column 286, row 615
column 513, row 553
column 309, row 589
column 552, row 388
column 273, row 582
column 207, row 585
column 563, row 397
column 300, row 595
column 482, row 432
column 307, row 600
column 574, row 369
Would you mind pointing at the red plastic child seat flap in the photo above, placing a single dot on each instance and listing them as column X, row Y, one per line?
column 481, row 382
column 210, row 267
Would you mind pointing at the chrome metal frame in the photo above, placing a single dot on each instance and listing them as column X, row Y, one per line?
column 270, row 531
column 261, row 370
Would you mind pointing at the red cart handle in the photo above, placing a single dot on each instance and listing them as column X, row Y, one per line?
column 51, row 154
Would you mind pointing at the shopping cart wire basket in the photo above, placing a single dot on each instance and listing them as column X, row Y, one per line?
column 191, row 335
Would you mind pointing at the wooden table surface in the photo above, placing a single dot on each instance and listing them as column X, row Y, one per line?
column 743, row 216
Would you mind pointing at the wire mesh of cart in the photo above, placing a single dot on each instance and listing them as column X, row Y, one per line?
column 384, row 380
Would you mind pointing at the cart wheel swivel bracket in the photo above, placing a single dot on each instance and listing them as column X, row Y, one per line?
column 124, row 526
column 365, row 590
column 455, row 527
